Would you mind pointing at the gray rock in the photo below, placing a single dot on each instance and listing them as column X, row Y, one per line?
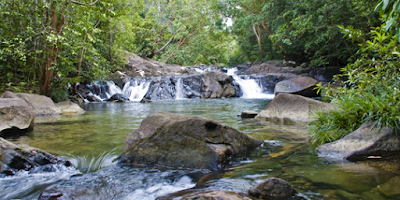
column 304, row 86
column 9, row 94
column 23, row 157
column 366, row 141
column 179, row 141
column 40, row 104
column 15, row 114
column 292, row 108
column 93, row 98
column 249, row 114
column 118, row 98
column 272, row 188
column 68, row 107
column 205, row 195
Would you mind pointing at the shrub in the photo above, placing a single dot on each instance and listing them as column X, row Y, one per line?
column 370, row 92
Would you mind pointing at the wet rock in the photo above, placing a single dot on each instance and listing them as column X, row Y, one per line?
column 144, row 100
column 118, row 98
column 67, row 107
column 218, row 85
column 205, row 195
column 23, row 157
column 16, row 116
column 75, row 193
column 304, row 86
column 272, row 188
column 93, row 98
column 41, row 105
column 179, row 141
column 249, row 114
column 366, row 141
column 292, row 108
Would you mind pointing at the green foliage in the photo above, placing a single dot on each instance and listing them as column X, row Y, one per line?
column 307, row 29
column 370, row 92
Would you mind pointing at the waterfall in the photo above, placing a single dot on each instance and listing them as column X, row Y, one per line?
column 112, row 89
column 136, row 89
column 179, row 89
column 250, row 88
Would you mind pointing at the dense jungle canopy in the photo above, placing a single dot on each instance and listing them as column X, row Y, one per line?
column 46, row 44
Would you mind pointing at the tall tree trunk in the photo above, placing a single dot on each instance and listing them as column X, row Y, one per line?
column 48, row 70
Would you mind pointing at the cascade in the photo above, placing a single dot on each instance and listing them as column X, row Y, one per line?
column 136, row 89
column 179, row 89
column 112, row 89
column 250, row 88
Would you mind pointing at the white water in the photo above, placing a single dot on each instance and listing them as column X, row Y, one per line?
column 112, row 89
column 179, row 89
column 136, row 91
column 250, row 88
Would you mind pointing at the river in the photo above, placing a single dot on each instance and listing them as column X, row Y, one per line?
column 94, row 140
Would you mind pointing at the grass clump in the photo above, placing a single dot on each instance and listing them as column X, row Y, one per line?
column 370, row 92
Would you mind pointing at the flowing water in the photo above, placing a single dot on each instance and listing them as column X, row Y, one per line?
column 94, row 140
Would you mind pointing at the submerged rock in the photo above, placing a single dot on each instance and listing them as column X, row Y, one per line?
column 248, row 114
column 272, row 188
column 292, row 108
column 179, row 141
column 23, row 157
column 15, row 116
column 304, row 86
column 366, row 141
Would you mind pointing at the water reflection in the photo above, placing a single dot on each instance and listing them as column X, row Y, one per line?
column 92, row 141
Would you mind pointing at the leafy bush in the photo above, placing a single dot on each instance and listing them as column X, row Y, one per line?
column 370, row 92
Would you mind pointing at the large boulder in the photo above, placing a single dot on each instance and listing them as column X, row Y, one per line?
column 40, row 104
column 301, row 85
column 292, row 108
column 218, row 85
column 68, row 107
column 15, row 114
column 179, row 141
column 272, row 188
column 23, row 157
column 366, row 141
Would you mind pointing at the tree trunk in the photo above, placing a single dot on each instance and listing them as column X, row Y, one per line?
column 47, row 69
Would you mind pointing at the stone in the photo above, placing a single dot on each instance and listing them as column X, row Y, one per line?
column 9, row 94
column 293, row 108
column 118, row 98
column 304, row 86
column 16, row 116
column 93, row 98
column 366, row 141
column 205, row 195
column 68, row 107
column 23, row 157
column 144, row 100
column 177, row 141
column 40, row 104
column 248, row 114
column 272, row 188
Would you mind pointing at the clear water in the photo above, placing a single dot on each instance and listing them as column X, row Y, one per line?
column 94, row 140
